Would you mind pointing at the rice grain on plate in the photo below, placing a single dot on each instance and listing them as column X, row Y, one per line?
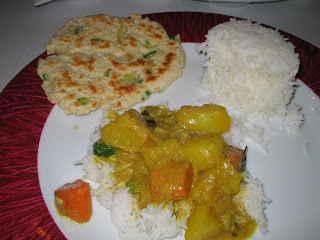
column 156, row 221
column 149, row 223
column 251, row 69
column 254, row 201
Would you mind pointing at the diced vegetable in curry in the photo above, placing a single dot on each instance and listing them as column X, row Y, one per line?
column 73, row 201
column 174, row 156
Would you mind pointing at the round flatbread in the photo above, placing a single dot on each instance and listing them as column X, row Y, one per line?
column 109, row 62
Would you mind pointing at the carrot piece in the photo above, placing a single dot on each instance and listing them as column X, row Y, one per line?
column 73, row 201
column 171, row 181
column 237, row 157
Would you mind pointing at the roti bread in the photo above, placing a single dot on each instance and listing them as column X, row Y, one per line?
column 109, row 62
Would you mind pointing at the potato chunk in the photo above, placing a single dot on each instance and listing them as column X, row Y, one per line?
column 204, row 150
column 217, row 182
column 202, row 224
column 209, row 118
column 128, row 132
column 161, row 152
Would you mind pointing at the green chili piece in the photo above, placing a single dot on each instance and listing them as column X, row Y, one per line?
column 102, row 149
column 149, row 53
column 76, row 31
column 44, row 77
column 95, row 39
column 137, row 184
column 83, row 101
column 130, row 78
column 133, row 185
column 146, row 95
column 148, row 44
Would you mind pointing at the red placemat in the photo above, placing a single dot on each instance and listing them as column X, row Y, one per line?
column 24, row 109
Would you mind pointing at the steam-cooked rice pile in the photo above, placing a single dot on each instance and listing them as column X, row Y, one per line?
column 150, row 223
column 251, row 69
column 160, row 222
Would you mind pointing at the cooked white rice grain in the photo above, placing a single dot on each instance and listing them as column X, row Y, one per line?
column 254, row 201
column 294, row 118
column 251, row 69
column 242, row 132
column 153, row 222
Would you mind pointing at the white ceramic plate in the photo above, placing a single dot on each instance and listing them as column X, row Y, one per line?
column 242, row 1
column 236, row 3
column 291, row 178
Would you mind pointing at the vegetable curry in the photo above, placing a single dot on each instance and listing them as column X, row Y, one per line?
column 180, row 156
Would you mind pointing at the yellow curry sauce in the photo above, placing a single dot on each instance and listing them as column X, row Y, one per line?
column 180, row 156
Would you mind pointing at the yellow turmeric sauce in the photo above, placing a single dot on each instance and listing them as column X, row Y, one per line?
column 181, row 157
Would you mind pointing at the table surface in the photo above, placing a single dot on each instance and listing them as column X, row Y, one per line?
column 26, row 28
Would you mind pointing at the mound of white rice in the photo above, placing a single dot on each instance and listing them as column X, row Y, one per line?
column 152, row 223
column 254, row 201
column 244, row 133
column 251, row 69
column 156, row 222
